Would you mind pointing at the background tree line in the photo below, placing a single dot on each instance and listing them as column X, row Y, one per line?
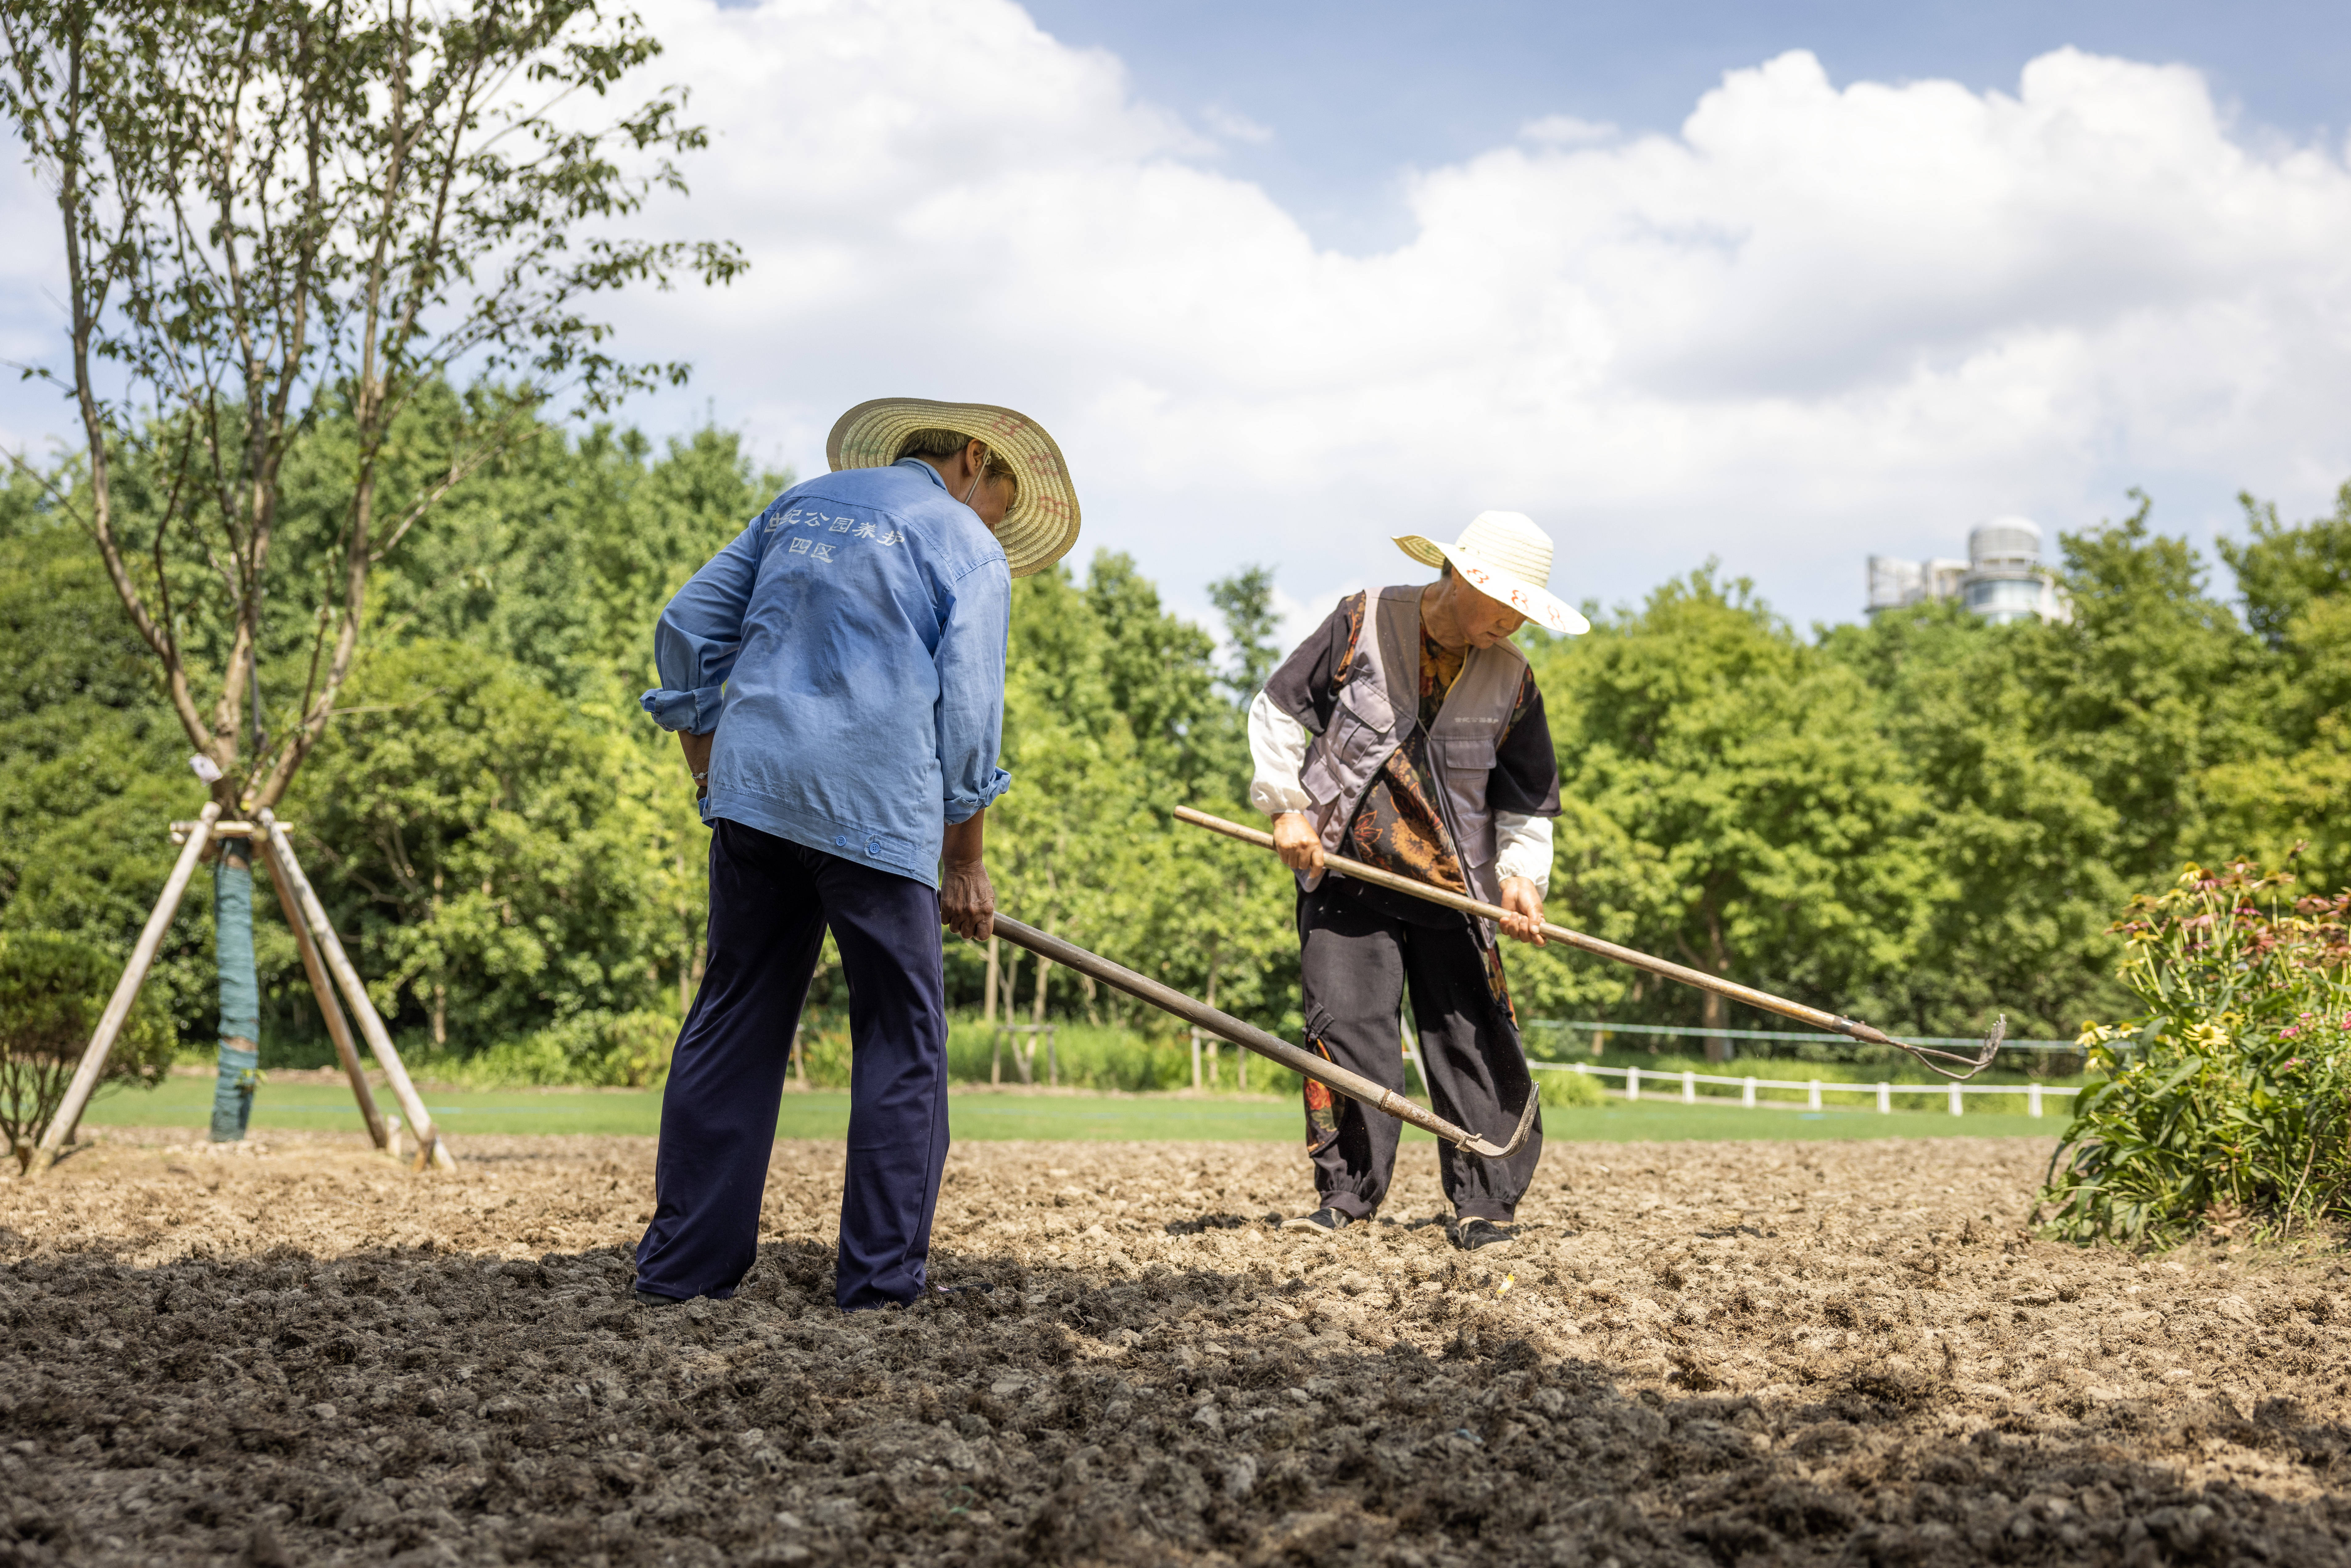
column 1919, row 821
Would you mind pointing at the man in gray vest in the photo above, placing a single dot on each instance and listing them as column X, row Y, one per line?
column 1408, row 733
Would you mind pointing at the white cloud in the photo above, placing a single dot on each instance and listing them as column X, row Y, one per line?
column 1234, row 126
column 1814, row 322
column 1566, row 130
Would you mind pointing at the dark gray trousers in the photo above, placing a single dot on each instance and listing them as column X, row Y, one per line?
column 1355, row 964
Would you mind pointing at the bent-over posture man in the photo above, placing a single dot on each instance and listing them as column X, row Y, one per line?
column 1408, row 733
column 836, row 677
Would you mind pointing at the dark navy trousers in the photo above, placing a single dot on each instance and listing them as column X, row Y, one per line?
column 770, row 902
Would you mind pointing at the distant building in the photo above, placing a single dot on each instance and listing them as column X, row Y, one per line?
column 2002, row 578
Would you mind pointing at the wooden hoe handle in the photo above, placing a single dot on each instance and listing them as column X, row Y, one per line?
column 1224, row 1026
column 1851, row 1028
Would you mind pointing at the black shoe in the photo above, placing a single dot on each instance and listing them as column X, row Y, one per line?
column 1324, row 1221
column 647, row 1298
column 1474, row 1234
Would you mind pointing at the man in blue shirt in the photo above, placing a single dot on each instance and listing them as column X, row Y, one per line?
column 836, row 678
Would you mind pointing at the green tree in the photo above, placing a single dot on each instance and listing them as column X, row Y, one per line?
column 2291, row 805
column 2144, row 689
column 1734, row 807
column 2283, row 567
column 2020, row 836
column 502, row 850
column 90, row 760
column 1160, row 674
column 552, row 564
column 273, row 211
column 1246, row 601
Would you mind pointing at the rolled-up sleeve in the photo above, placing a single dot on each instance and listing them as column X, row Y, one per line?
column 698, row 636
column 1277, row 745
column 1523, row 849
column 970, row 661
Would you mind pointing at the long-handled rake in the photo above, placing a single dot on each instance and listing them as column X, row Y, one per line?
column 1853, row 1028
column 1224, row 1026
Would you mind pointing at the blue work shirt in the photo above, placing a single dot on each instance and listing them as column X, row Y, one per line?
column 848, row 648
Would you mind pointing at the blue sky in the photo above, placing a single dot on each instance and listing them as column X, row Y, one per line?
column 1778, row 286
column 1352, row 94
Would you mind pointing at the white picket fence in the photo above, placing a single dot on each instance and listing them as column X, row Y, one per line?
column 1635, row 1078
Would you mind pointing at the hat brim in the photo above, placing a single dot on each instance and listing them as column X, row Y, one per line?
column 1537, row 604
column 1042, row 526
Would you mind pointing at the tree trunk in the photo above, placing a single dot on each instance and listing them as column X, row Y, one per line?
column 440, row 984
column 988, row 992
column 1036, row 1014
column 240, row 991
column 1215, row 1046
column 1713, row 1008
column 1012, row 991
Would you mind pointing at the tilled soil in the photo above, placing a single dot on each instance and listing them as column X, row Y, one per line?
column 1697, row 1353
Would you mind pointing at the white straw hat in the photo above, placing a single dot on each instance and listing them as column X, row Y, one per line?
column 1503, row 556
column 1043, row 522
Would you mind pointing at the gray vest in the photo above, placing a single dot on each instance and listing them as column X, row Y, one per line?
column 1378, row 709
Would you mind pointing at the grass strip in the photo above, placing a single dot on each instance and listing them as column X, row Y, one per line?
column 983, row 1116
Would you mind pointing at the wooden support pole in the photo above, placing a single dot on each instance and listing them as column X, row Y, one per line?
column 126, row 991
column 322, row 985
column 429, row 1145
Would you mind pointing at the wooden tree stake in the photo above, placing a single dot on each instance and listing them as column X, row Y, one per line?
column 338, row 1027
column 126, row 991
column 429, row 1144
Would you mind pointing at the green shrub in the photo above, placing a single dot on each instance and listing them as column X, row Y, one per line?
column 1088, row 1057
column 2227, row 1095
column 52, row 990
column 1570, row 1090
column 594, row 1050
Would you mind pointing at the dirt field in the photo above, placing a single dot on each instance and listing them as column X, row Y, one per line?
column 1700, row 1354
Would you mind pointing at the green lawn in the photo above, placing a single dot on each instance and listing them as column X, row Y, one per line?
column 824, row 1113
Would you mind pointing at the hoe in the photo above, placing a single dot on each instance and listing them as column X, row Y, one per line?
column 1962, row 1068
column 1224, row 1026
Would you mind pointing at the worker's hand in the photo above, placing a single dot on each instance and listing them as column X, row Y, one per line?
column 1525, row 917
column 1294, row 839
column 968, row 901
column 697, row 758
column 966, row 898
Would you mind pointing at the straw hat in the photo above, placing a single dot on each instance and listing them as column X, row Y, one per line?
column 1503, row 556
column 1043, row 522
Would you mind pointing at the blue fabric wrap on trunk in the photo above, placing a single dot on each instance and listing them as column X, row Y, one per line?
column 240, row 992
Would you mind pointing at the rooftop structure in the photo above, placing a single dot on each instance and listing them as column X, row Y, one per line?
column 2002, row 578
